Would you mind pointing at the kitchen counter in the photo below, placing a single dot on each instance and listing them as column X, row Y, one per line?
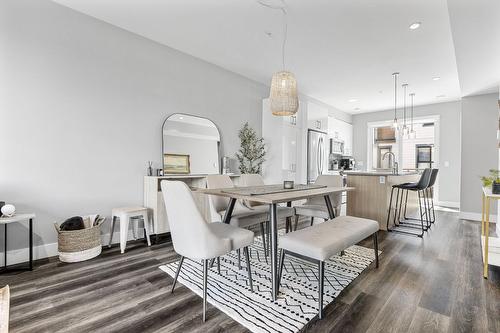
column 378, row 173
column 373, row 192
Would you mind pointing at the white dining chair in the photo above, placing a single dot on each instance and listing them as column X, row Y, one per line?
column 242, row 216
column 316, row 207
column 194, row 238
column 283, row 212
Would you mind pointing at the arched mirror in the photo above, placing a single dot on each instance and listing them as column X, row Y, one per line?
column 190, row 145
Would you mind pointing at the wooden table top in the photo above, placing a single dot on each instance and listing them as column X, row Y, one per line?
column 274, row 198
column 16, row 218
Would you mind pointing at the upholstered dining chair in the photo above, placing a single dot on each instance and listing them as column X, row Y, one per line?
column 242, row 216
column 194, row 238
column 316, row 207
column 284, row 212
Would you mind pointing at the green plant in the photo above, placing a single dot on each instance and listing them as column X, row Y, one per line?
column 252, row 151
column 493, row 177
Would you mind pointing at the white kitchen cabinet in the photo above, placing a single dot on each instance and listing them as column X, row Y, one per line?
column 283, row 137
column 317, row 117
column 342, row 131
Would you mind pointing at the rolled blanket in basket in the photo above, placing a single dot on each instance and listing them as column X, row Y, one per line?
column 73, row 223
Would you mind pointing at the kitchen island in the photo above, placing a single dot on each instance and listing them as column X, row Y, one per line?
column 373, row 192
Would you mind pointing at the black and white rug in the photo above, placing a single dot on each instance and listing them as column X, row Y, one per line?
column 297, row 303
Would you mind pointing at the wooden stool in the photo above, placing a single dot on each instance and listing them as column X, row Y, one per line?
column 125, row 215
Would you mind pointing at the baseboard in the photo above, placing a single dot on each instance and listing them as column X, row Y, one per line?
column 475, row 216
column 450, row 204
column 18, row 256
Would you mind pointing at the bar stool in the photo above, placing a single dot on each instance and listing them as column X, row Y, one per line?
column 428, row 203
column 125, row 215
column 430, row 194
column 420, row 188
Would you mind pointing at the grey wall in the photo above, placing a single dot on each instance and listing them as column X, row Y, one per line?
column 82, row 104
column 449, row 178
column 479, row 147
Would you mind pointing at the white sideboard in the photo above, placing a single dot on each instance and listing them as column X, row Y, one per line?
column 153, row 198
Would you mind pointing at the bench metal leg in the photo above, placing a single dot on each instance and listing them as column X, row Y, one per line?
column 296, row 223
column 321, row 276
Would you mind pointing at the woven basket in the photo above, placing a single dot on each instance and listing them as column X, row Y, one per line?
column 79, row 245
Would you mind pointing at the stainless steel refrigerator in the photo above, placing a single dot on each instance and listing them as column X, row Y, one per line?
column 317, row 155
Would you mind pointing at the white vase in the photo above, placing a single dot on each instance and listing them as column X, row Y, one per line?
column 8, row 210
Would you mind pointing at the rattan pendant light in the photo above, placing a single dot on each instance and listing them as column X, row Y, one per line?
column 283, row 95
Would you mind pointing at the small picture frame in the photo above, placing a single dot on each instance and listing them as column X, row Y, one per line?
column 176, row 164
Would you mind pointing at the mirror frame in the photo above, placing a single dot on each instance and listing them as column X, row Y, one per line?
column 191, row 115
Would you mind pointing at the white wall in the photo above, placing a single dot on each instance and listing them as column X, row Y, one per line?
column 81, row 109
column 479, row 150
column 449, row 140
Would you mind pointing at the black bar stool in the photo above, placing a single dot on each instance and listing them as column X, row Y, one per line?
column 420, row 188
column 428, row 196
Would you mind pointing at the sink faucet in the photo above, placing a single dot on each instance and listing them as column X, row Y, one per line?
column 394, row 163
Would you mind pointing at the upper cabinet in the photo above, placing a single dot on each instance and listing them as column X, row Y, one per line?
column 284, row 140
column 341, row 131
column 317, row 117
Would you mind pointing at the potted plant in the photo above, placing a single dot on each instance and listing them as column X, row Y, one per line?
column 252, row 151
column 493, row 181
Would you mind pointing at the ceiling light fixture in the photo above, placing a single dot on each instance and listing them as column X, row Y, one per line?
column 436, row 78
column 283, row 95
column 352, row 100
column 415, row 25
column 395, row 123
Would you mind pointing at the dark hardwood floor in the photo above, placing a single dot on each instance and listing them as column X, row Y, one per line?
column 432, row 284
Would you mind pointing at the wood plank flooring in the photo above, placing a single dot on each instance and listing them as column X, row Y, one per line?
column 432, row 284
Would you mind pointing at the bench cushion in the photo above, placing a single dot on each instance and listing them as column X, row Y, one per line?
column 322, row 241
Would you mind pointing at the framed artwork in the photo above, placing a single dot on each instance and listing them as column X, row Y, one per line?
column 176, row 163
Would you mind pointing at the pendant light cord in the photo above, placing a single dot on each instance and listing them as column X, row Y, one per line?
column 285, row 26
column 395, row 96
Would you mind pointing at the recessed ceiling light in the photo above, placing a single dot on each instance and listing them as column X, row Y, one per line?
column 440, row 96
column 352, row 100
column 415, row 25
column 436, row 78
column 181, row 118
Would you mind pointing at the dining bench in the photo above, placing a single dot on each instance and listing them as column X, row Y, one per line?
column 322, row 241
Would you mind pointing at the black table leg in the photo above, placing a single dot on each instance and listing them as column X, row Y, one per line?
column 288, row 226
column 5, row 246
column 329, row 207
column 274, row 250
column 229, row 211
column 31, row 244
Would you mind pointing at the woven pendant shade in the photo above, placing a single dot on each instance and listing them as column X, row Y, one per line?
column 283, row 96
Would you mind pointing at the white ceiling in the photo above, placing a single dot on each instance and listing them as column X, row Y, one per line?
column 339, row 50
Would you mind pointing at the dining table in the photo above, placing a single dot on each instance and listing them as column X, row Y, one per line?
column 273, row 195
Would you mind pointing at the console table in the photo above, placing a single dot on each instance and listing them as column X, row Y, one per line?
column 18, row 218
column 153, row 198
column 490, row 245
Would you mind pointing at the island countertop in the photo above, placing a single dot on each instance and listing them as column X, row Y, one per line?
column 378, row 173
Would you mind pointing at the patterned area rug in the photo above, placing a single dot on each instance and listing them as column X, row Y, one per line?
column 297, row 302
